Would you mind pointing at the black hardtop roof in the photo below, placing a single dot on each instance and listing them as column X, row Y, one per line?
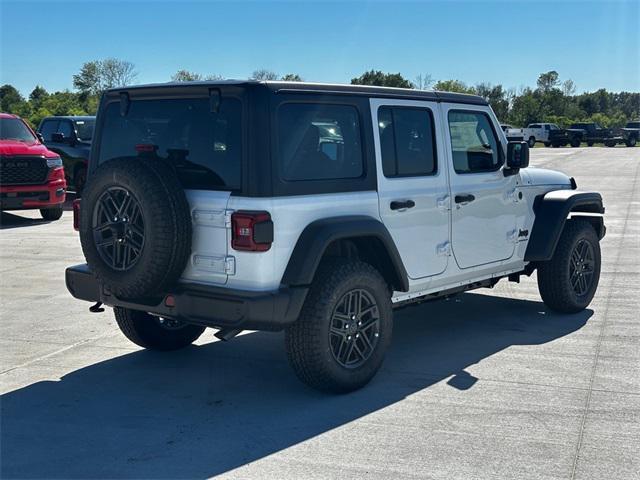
column 326, row 88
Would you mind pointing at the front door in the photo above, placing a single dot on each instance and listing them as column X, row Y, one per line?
column 412, row 183
column 483, row 216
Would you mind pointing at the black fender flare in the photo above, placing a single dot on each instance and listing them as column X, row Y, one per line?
column 318, row 235
column 551, row 212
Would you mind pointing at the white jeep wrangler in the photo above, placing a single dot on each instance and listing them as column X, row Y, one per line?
column 316, row 209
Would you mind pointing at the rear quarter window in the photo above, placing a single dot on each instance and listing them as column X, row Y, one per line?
column 204, row 147
column 318, row 142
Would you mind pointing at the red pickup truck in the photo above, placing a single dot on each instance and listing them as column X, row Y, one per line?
column 31, row 176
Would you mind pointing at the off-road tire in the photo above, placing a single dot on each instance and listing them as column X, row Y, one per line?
column 589, row 144
column 631, row 142
column 167, row 225
column 148, row 331
column 531, row 142
column 610, row 144
column 307, row 341
column 575, row 142
column 51, row 214
column 554, row 281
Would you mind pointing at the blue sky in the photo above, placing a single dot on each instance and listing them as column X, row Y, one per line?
column 596, row 44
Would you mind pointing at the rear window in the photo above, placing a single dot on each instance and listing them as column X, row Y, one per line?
column 319, row 142
column 204, row 147
column 407, row 142
column 84, row 129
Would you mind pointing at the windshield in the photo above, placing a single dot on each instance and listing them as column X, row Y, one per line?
column 203, row 146
column 15, row 129
column 84, row 129
column 633, row 125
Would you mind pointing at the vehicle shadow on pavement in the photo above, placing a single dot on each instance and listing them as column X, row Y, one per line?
column 9, row 220
column 209, row 409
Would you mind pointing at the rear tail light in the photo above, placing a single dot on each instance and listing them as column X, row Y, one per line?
column 76, row 214
column 251, row 231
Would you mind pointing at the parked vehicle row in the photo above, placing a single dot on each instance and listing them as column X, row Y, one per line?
column 551, row 135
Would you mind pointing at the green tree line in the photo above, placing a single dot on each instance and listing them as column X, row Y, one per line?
column 551, row 100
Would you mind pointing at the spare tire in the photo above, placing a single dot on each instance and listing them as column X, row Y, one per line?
column 135, row 226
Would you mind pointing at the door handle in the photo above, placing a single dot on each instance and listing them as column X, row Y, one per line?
column 464, row 198
column 402, row 204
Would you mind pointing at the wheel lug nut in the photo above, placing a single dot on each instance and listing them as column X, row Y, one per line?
column 353, row 317
column 376, row 334
column 357, row 335
column 359, row 324
column 349, row 338
column 346, row 326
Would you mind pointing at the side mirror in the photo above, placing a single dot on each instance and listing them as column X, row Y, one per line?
column 517, row 157
column 60, row 138
column 40, row 137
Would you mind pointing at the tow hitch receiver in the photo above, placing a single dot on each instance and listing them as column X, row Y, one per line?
column 96, row 308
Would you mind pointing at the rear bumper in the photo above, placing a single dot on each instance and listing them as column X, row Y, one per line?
column 23, row 197
column 203, row 305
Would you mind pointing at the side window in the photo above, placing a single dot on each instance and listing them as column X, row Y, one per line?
column 474, row 144
column 407, row 141
column 547, row 127
column 319, row 142
column 49, row 127
column 65, row 128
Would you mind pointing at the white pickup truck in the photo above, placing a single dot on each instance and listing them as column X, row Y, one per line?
column 548, row 133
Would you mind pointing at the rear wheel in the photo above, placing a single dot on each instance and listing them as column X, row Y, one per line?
column 51, row 214
column 589, row 144
column 155, row 333
column 339, row 342
column 631, row 142
column 610, row 144
column 575, row 142
column 568, row 282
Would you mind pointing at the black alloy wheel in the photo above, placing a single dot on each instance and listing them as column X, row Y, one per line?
column 118, row 228
column 581, row 267
column 354, row 329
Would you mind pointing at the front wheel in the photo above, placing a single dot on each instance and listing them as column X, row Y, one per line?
column 575, row 142
column 610, row 144
column 631, row 142
column 155, row 333
column 532, row 142
column 51, row 214
column 568, row 282
column 339, row 342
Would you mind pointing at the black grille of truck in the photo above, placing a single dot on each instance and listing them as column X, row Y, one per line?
column 23, row 170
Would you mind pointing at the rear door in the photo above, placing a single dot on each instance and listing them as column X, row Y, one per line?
column 484, row 212
column 205, row 149
column 412, row 183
